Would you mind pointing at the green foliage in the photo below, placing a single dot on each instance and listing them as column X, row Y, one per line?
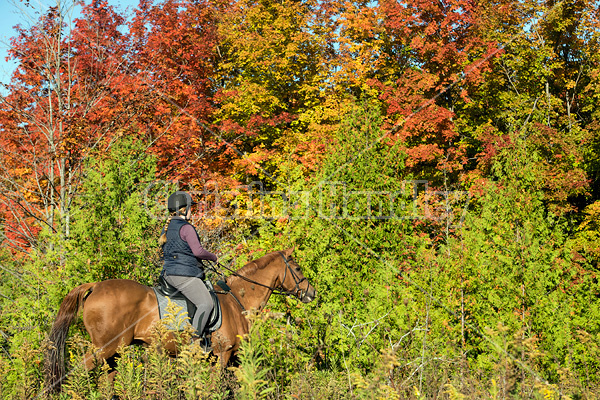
column 377, row 384
column 114, row 230
column 80, row 384
column 356, row 236
column 418, row 297
column 315, row 384
column 252, row 370
column 25, row 314
column 510, row 270
column 490, row 303
column 23, row 375
column 130, row 373
column 113, row 235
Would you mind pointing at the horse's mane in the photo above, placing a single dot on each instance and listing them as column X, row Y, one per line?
column 257, row 264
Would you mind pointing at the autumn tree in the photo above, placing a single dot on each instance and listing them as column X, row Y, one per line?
column 59, row 105
column 534, row 97
column 273, row 77
column 176, row 53
column 435, row 55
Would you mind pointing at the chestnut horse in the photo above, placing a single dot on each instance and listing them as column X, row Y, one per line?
column 116, row 312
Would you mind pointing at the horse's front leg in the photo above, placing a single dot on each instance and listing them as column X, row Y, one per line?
column 222, row 347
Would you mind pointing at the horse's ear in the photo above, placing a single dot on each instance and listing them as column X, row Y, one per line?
column 288, row 252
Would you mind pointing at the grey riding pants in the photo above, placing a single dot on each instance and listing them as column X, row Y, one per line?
column 195, row 290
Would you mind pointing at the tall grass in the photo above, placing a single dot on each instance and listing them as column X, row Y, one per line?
column 272, row 366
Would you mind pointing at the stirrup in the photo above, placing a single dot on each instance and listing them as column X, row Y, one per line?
column 204, row 342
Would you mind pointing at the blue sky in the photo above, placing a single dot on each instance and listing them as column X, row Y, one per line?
column 13, row 12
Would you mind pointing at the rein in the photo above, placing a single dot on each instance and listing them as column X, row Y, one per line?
column 274, row 290
column 228, row 291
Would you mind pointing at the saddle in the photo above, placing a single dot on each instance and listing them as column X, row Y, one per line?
column 166, row 292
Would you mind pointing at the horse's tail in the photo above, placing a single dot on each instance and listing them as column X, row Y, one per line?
column 55, row 353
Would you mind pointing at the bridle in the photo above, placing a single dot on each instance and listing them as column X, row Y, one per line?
column 275, row 290
column 295, row 277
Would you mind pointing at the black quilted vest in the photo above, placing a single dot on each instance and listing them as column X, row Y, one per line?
column 178, row 256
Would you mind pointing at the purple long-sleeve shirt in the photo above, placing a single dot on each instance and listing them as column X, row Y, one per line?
column 188, row 233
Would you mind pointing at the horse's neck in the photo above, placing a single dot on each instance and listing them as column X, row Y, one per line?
column 255, row 290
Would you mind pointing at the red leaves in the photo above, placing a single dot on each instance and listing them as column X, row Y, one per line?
column 175, row 45
column 442, row 36
column 206, row 82
column 442, row 56
column 492, row 142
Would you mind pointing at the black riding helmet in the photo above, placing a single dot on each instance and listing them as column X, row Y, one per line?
column 178, row 200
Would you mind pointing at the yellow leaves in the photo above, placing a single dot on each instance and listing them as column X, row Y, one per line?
column 550, row 392
column 23, row 171
column 256, row 32
column 360, row 45
column 453, row 393
column 592, row 216
column 250, row 98
column 74, row 395
column 175, row 317
column 268, row 44
column 588, row 232
column 417, row 392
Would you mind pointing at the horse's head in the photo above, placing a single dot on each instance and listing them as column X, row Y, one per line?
column 293, row 281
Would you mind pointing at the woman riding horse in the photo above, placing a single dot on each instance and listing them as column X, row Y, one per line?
column 118, row 312
column 182, row 255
